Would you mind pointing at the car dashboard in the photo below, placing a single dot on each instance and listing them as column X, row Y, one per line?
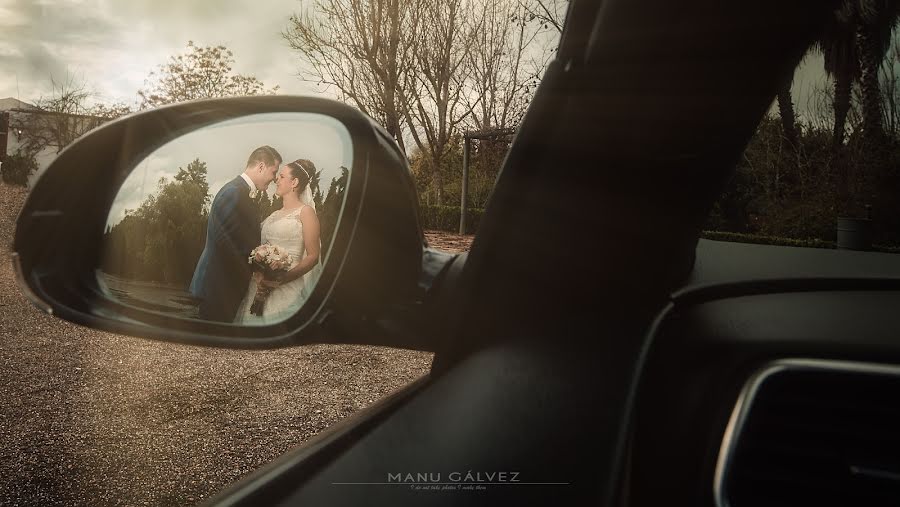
column 772, row 378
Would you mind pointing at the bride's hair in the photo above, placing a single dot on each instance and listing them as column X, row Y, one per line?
column 303, row 170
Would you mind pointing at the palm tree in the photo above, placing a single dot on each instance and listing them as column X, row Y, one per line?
column 839, row 49
column 854, row 44
column 789, row 132
column 788, row 118
column 876, row 22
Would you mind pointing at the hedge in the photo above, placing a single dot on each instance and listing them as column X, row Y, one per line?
column 774, row 240
column 765, row 240
column 446, row 218
column 16, row 169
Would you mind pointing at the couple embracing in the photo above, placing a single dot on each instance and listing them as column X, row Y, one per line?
column 225, row 281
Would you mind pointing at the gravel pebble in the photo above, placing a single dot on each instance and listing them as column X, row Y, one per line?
column 94, row 418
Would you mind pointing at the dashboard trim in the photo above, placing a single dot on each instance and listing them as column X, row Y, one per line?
column 745, row 400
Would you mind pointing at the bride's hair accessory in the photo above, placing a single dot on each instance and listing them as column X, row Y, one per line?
column 307, row 168
column 298, row 165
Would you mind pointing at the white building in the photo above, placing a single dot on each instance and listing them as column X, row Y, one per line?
column 14, row 112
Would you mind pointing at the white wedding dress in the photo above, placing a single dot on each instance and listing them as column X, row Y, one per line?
column 284, row 229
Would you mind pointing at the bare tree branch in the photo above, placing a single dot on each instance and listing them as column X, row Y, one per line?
column 426, row 69
column 548, row 12
column 61, row 118
column 362, row 47
column 504, row 63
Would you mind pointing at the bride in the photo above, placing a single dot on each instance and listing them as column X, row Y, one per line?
column 295, row 227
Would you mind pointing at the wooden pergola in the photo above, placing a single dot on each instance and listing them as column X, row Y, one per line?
column 488, row 133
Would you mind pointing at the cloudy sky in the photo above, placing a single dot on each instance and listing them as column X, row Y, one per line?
column 112, row 45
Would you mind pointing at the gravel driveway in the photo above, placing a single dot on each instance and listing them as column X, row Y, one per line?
column 93, row 418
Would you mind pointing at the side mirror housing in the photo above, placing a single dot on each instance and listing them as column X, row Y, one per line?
column 374, row 260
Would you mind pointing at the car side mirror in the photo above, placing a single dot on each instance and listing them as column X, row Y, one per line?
column 147, row 226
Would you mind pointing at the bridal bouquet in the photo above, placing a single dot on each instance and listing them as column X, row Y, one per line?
column 272, row 261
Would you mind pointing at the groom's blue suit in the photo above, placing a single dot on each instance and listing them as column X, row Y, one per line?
column 223, row 274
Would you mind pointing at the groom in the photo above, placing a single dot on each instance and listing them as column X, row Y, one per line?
column 223, row 274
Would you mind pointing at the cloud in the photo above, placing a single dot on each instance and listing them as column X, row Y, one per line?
column 51, row 39
column 113, row 45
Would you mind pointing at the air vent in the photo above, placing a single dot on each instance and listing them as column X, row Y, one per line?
column 816, row 433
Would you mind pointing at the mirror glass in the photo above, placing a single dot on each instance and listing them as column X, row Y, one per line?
column 229, row 223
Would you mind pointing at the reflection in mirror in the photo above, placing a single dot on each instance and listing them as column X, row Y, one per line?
column 230, row 223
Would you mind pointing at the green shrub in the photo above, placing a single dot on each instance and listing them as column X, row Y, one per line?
column 813, row 219
column 16, row 169
column 778, row 241
column 765, row 240
column 446, row 218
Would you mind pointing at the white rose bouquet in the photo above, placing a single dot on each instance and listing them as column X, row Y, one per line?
column 272, row 261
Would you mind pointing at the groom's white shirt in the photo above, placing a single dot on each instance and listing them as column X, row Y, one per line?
column 253, row 189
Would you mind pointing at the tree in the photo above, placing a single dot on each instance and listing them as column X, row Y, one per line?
column 195, row 174
column 314, row 180
column 789, row 131
column 264, row 205
column 876, row 22
column 202, row 72
column 854, row 45
column 502, row 66
column 330, row 209
column 550, row 13
column 838, row 47
column 487, row 158
column 890, row 77
column 362, row 48
column 277, row 203
column 424, row 68
column 163, row 238
column 59, row 119
column 841, row 61
column 437, row 102
column 110, row 111
column 449, row 169
column 16, row 168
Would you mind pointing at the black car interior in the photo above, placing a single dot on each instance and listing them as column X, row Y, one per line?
column 805, row 342
column 591, row 344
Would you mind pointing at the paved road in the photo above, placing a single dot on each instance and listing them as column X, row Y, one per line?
column 93, row 418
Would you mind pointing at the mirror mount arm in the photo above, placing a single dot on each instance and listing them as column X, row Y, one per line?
column 417, row 322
